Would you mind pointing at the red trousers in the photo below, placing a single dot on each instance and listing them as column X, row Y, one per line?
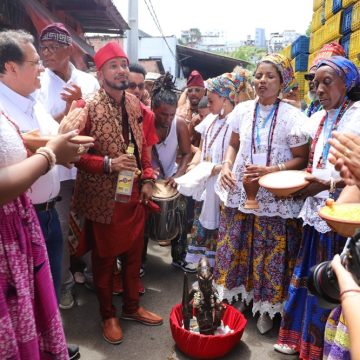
column 130, row 268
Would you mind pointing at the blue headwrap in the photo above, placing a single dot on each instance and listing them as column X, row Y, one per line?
column 344, row 68
column 226, row 85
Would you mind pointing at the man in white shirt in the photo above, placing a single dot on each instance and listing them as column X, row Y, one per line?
column 20, row 69
column 61, row 84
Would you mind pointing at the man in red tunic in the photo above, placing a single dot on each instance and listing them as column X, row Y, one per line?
column 115, row 228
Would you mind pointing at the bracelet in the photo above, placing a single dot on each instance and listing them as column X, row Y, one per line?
column 282, row 166
column 106, row 164
column 110, row 165
column 227, row 162
column 332, row 186
column 147, row 181
column 347, row 291
column 49, row 154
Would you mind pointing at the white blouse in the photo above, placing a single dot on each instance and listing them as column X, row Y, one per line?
column 287, row 135
column 350, row 122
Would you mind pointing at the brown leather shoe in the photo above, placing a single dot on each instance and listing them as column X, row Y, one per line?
column 143, row 316
column 112, row 331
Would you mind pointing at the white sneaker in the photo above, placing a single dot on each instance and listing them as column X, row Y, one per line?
column 284, row 349
column 264, row 323
column 66, row 300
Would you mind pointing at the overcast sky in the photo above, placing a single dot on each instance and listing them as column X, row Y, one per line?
column 236, row 18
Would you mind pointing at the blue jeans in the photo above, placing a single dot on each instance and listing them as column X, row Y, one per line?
column 50, row 226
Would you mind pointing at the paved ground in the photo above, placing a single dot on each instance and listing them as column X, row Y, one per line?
column 163, row 285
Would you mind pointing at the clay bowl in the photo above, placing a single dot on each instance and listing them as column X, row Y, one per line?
column 342, row 218
column 34, row 140
column 284, row 183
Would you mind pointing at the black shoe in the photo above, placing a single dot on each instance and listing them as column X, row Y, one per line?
column 73, row 351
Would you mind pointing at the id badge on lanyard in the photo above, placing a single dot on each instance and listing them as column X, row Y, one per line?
column 259, row 159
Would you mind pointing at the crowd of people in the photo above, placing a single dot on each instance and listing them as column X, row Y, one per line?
column 211, row 143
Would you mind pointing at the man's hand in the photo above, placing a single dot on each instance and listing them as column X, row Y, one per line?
column 74, row 120
column 71, row 93
column 146, row 192
column 171, row 182
column 123, row 162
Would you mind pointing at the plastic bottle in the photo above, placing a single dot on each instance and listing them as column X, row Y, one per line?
column 125, row 181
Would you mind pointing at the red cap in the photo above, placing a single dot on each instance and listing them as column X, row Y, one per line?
column 109, row 51
column 195, row 79
column 328, row 50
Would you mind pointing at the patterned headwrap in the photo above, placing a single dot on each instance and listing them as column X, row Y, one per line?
column 56, row 32
column 226, row 85
column 283, row 64
column 344, row 68
column 328, row 50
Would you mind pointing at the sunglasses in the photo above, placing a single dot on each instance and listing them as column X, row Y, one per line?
column 133, row 86
column 309, row 77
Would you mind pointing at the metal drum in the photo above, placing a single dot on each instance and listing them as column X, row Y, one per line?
column 164, row 226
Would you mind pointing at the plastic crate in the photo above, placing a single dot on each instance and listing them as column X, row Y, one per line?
column 332, row 27
column 355, row 19
column 336, row 6
column 346, row 3
column 316, row 20
column 301, row 62
column 300, row 46
column 345, row 43
column 356, row 61
column 328, row 9
column 287, row 51
column 311, row 59
column 346, row 20
column 319, row 38
column 354, row 47
column 299, row 76
column 317, row 4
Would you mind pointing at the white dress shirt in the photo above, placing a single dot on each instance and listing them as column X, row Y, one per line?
column 29, row 114
column 49, row 95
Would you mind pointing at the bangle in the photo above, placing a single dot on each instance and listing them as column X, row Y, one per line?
column 347, row 291
column 49, row 154
column 282, row 166
column 147, row 181
column 227, row 162
column 106, row 164
column 110, row 166
column 332, row 185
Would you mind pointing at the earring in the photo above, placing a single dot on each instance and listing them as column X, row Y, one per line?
column 222, row 111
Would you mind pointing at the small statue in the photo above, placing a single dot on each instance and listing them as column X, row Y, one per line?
column 205, row 302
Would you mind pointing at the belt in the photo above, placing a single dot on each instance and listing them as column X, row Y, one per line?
column 47, row 205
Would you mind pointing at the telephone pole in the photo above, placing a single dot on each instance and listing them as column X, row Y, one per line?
column 133, row 33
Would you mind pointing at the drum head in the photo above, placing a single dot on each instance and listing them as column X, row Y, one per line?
column 162, row 191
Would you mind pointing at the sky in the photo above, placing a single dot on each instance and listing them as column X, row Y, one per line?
column 236, row 18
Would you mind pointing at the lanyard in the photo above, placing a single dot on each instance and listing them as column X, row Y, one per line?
column 207, row 148
column 270, row 116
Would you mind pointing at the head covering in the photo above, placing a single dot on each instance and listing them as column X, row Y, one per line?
column 226, row 85
column 56, row 32
column 344, row 68
column 195, row 79
column 283, row 64
column 328, row 50
column 109, row 51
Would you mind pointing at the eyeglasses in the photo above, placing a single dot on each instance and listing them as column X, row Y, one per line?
column 37, row 63
column 309, row 77
column 51, row 48
column 133, row 86
column 191, row 90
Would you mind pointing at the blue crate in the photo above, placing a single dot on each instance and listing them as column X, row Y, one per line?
column 345, row 43
column 300, row 46
column 301, row 62
column 346, row 20
column 336, row 6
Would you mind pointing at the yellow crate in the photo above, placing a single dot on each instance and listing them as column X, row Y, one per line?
column 287, row 51
column 293, row 64
column 355, row 17
column 299, row 76
column 317, row 4
column 354, row 46
column 356, row 61
column 328, row 9
column 332, row 27
column 346, row 3
column 316, row 20
column 311, row 59
column 318, row 39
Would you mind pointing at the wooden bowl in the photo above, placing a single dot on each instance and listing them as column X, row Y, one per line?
column 284, row 183
column 342, row 218
column 34, row 140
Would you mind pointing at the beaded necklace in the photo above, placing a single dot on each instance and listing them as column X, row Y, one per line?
column 208, row 147
column 274, row 111
column 324, row 155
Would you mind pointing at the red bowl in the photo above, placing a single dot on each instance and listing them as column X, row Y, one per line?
column 199, row 346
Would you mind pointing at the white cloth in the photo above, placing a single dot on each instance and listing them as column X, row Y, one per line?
column 167, row 151
column 30, row 115
column 12, row 149
column 49, row 95
column 287, row 135
column 350, row 122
